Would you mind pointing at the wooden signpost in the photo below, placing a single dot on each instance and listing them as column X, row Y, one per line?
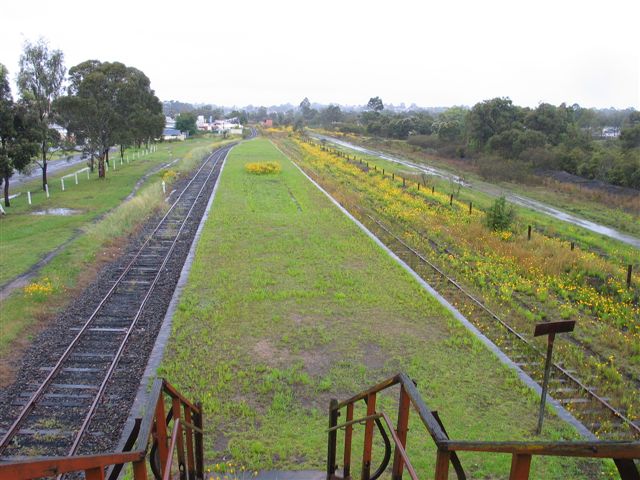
column 550, row 329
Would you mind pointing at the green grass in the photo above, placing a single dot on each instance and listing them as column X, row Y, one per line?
column 98, row 232
column 25, row 238
column 289, row 304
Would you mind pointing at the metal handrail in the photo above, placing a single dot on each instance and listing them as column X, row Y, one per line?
column 623, row 453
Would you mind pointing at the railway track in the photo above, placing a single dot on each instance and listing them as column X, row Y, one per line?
column 591, row 409
column 55, row 412
column 594, row 411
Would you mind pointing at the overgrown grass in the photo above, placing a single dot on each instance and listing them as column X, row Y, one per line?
column 26, row 237
column 523, row 281
column 288, row 304
column 619, row 211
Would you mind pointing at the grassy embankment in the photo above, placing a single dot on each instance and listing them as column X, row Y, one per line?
column 289, row 304
column 85, row 240
column 618, row 211
column 523, row 281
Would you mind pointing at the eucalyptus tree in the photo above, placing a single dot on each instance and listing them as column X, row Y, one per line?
column 18, row 138
column 40, row 82
column 107, row 104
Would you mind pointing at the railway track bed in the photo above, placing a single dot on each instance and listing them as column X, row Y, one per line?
column 79, row 378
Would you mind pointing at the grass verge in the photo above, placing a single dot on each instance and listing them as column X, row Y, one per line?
column 93, row 244
column 289, row 304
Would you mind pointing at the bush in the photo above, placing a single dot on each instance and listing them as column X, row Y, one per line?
column 500, row 216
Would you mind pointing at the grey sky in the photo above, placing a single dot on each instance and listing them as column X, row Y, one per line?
column 425, row 52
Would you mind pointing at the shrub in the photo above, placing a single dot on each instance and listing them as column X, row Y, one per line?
column 500, row 216
column 263, row 168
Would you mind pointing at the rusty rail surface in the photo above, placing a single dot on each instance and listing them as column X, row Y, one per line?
column 149, row 434
column 623, row 453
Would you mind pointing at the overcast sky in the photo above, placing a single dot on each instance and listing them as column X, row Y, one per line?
column 240, row 52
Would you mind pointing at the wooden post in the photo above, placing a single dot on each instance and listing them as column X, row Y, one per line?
column 470, row 207
column 199, row 443
column 403, row 182
column 629, row 271
column 332, row 440
column 451, row 200
column 348, row 434
column 404, row 407
column 189, row 434
column 180, row 440
column 140, row 470
column 529, row 232
column 161, row 433
column 418, row 185
column 393, row 176
column 433, row 189
column 520, row 466
column 442, row 465
column 573, row 245
column 368, row 438
column 94, row 474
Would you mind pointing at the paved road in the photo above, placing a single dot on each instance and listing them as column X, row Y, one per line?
column 52, row 167
column 496, row 192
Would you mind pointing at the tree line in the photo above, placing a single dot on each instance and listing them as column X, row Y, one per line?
column 98, row 104
column 505, row 141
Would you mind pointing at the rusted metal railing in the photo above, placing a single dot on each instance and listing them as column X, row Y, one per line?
column 623, row 453
column 148, row 440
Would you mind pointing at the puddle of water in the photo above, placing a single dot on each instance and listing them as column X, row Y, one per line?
column 56, row 211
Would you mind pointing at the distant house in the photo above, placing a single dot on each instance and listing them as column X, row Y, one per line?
column 268, row 123
column 230, row 125
column 610, row 132
column 173, row 134
column 169, row 122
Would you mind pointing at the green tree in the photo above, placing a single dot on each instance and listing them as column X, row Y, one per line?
column 330, row 115
column 40, row 81
column 491, row 117
column 186, row 122
column 500, row 216
column 18, row 138
column 109, row 103
column 375, row 104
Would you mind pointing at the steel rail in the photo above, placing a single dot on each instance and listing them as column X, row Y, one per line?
column 134, row 321
column 26, row 410
column 559, row 368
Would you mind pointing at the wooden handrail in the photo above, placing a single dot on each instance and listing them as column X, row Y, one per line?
column 601, row 449
column 400, row 447
column 172, row 446
column 150, row 428
column 622, row 452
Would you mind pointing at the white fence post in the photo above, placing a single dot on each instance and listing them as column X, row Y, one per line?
column 46, row 189
column 114, row 165
column 62, row 183
column 106, row 165
column 29, row 197
column 75, row 175
column 2, row 210
column 164, row 187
